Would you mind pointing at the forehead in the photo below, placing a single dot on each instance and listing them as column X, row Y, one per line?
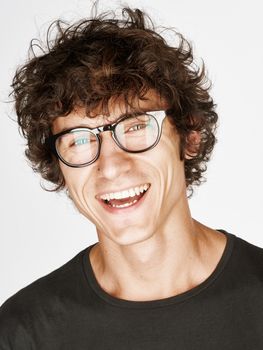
column 116, row 107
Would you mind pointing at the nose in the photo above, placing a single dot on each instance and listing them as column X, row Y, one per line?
column 113, row 161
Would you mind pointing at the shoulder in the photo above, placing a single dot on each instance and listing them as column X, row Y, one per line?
column 252, row 253
column 42, row 296
column 50, row 285
column 247, row 262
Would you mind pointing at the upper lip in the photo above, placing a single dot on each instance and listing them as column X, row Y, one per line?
column 124, row 189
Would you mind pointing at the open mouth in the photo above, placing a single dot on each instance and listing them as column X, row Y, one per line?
column 124, row 203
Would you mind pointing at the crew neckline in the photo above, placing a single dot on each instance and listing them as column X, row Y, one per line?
column 93, row 283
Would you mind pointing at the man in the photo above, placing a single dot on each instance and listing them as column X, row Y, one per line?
column 125, row 124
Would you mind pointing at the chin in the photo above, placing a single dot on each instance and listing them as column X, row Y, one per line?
column 129, row 235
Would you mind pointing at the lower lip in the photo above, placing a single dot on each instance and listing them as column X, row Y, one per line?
column 125, row 210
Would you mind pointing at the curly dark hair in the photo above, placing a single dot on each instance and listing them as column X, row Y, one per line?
column 95, row 59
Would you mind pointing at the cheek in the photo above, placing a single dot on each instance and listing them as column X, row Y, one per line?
column 169, row 150
column 172, row 170
column 67, row 172
column 74, row 177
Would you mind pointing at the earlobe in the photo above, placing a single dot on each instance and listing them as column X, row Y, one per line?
column 192, row 145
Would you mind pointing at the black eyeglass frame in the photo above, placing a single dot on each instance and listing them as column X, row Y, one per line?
column 51, row 140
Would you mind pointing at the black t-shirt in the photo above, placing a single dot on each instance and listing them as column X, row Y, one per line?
column 67, row 309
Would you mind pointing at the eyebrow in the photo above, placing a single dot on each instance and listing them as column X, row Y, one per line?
column 130, row 114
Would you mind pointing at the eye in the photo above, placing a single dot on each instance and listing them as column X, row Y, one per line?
column 136, row 123
column 137, row 127
column 81, row 141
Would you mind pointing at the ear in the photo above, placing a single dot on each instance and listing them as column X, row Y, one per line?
column 193, row 140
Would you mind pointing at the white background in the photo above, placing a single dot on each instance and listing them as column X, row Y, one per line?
column 40, row 231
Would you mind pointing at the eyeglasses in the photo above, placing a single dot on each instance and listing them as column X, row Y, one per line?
column 134, row 133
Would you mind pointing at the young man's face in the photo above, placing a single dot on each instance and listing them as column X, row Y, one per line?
column 117, row 170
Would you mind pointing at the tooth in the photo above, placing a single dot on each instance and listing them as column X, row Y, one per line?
column 137, row 190
column 125, row 194
column 125, row 204
column 117, row 195
column 132, row 193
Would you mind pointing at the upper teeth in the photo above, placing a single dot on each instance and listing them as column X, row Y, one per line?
column 125, row 194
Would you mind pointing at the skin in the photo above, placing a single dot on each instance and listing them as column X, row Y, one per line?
column 158, row 250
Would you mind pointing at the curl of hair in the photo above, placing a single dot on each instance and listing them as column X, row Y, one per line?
column 95, row 59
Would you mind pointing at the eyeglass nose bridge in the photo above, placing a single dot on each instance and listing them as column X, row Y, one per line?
column 108, row 127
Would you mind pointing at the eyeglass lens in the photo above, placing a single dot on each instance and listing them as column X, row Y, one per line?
column 81, row 146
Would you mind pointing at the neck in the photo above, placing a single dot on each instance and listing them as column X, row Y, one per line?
column 170, row 262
